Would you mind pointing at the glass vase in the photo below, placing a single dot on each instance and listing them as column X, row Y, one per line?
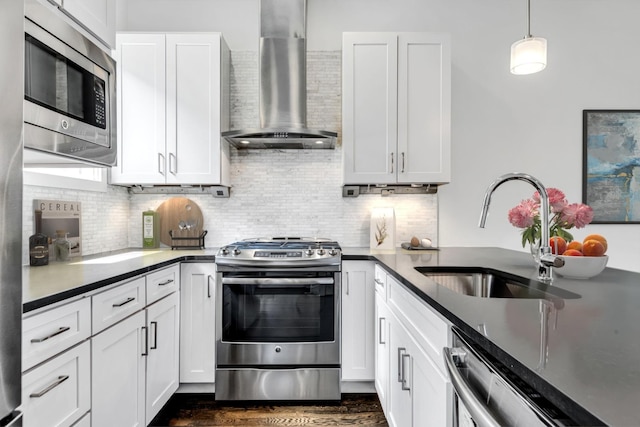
column 535, row 251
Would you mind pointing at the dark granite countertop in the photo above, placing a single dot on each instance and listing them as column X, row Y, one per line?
column 591, row 359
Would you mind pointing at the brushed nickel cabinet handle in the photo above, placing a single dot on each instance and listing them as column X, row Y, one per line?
column 56, row 383
column 173, row 165
column 58, row 332
column 391, row 162
column 161, row 164
column 154, row 346
column 347, row 287
column 125, row 302
column 404, row 379
column 403, row 162
column 400, row 372
column 381, row 320
column 165, row 283
column 145, row 330
column 209, row 286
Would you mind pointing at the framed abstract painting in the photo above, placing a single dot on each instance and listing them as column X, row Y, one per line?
column 611, row 165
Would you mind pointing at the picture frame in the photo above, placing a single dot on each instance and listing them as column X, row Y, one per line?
column 611, row 165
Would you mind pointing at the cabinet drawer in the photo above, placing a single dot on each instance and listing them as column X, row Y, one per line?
column 429, row 329
column 51, row 332
column 162, row 283
column 57, row 392
column 117, row 303
column 380, row 279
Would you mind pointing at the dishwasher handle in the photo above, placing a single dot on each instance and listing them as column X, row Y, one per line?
column 478, row 410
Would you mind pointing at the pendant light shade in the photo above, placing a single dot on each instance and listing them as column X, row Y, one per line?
column 528, row 55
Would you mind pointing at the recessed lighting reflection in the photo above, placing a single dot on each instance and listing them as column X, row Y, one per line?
column 319, row 142
column 244, row 142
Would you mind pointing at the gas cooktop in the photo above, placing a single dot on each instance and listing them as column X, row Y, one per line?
column 265, row 251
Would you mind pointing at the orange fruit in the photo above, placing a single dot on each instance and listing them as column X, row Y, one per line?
column 592, row 248
column 558, row 245
column 575, row 245
column 572, row 252
column 600, row 238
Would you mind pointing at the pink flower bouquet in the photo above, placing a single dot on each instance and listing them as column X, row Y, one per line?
column 562, row 216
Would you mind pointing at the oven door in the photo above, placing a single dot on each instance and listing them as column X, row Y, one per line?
column 278, row 319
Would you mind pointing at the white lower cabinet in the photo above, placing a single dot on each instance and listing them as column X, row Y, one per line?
column 197, row 332
column 413, row 387
column 382, row 351
column 358, row 321
column 56, row 393
column 163, row 353
column 135, row 366
column 118, row 374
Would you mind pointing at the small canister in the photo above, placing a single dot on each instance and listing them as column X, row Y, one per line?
column 38, row 249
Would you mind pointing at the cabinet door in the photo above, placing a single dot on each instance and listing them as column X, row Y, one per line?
column 358, row 321
column 118, row 374
column 163, row 320
column 424, row 108
column 399, row 412
column 431, row 393
column 369, row 106
column 193, row 108
column 382, row 352
column 140, row 66
column 97, row 16
column 197, row 331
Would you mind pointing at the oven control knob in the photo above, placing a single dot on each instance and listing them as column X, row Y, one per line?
column 278, row 349
column 309, row 251
column 321, row 251
column 333, row 252
column 235, row 251
column 224, row 251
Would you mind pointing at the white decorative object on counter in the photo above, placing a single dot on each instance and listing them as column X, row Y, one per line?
column 383, row 228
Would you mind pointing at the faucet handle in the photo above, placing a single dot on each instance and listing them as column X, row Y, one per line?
column 551, row 260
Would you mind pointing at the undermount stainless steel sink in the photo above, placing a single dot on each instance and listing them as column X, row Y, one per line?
column 487, row 283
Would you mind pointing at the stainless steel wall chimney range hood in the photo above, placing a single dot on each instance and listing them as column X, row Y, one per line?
column 283, row 83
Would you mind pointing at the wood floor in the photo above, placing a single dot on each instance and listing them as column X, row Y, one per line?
column 203, row 410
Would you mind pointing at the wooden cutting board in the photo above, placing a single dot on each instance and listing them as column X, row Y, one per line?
column 183, row 217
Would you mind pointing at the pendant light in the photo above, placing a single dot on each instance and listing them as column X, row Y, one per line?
column 528, row 55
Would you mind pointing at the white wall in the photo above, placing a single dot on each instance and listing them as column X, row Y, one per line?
column 500, row 122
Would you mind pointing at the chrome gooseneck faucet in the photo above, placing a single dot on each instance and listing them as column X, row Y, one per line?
column 546, row 260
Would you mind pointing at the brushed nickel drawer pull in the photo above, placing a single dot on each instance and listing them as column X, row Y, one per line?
column 165, row 283
column 56, row 383
column 127, row 301
column 58, row 332
column 209, row 286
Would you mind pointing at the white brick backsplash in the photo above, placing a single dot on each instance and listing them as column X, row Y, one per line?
column 274, row 192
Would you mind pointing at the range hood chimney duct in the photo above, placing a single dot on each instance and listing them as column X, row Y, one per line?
column 283, row 83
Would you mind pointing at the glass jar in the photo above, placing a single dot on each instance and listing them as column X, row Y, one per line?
column 62, row 246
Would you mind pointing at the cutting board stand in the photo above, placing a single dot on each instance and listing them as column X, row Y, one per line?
column 189, row 242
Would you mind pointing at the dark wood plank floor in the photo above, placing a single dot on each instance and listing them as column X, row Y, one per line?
column 203, row 410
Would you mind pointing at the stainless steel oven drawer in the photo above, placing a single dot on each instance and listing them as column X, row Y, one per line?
column 278, row 384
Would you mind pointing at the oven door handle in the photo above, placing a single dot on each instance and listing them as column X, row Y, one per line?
column 478, row 410
column 277, row 281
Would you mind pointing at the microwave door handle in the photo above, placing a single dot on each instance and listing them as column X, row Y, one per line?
column 478, row 410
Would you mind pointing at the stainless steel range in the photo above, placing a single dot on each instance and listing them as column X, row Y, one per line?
column 277, row 319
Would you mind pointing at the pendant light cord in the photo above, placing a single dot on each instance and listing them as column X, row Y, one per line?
column 529, row 19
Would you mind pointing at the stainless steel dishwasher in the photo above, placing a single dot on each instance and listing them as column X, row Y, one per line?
column 487, row 394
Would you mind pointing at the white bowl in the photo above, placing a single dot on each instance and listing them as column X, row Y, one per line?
column 581, row 267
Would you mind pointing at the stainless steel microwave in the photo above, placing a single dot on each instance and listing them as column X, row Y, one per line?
column 69, row 93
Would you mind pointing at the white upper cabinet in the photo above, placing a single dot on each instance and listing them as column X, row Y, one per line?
column 172, row 106
column 97, row 16
column 396, row 108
